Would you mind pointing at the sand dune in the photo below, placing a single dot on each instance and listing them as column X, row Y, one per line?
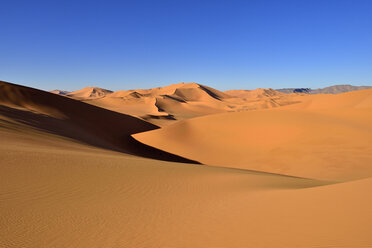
column 351, row 100
column 324, row 137
column 55, row 193
column 71, row 176
column 163, row 105
column 76, row 120
column 60, row 92
column 181, row 101
column 171, row 89
column 89, row 92
column 258, row 93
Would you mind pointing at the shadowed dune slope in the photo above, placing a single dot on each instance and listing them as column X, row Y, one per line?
column 76, row 120
column 326, row 136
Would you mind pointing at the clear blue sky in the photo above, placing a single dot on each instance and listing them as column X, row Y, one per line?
column 225, row 44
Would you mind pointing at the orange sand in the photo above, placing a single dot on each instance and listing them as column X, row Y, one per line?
column 71, row 176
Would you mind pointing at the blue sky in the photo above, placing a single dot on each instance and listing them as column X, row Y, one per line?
column 224, row 44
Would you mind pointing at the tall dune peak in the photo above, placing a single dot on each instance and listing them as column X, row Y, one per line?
column 90, row 92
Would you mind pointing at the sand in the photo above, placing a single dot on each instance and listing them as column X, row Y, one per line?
column 88, row 93
column 59, row 190
column 163, row 106
column 325, row 137
column 258, row 93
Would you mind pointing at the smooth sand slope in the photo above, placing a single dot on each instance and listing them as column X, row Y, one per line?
column 325, row 136
column 56, row 193
column 59, row 190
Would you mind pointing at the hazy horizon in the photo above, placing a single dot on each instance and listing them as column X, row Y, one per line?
column 163, row 85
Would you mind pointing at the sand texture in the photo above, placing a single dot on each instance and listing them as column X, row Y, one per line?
column 72, row 175
column 325, row 136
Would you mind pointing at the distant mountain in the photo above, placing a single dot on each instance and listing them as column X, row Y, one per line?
column 295, row 90
column 335, row 89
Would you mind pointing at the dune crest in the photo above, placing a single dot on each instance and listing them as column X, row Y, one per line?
column 325, row 137
column 77, row 120
column 257, row 93
column 89, row 93
column 164, row 105
column 60, row 92
column 72, row 176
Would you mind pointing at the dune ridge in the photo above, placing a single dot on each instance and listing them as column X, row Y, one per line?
column 258, row 93
column 72, row 176
column 164, row 105
column 77, row 120
column 56, row 193
column 89, row 92
column 324, row 136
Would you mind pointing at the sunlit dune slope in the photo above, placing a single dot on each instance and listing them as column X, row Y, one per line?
column 179, row 101
column 326, row 136
column 361, row 99
column 75, row 120
column 56, row 193
column 59, row 190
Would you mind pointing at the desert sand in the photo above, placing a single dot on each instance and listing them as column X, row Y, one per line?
column 86, row 93
column 166, row 105
column 324, row 136
column 71, row 174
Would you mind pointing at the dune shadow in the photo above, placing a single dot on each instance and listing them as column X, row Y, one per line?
column 77, row 120
column 123, row 143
